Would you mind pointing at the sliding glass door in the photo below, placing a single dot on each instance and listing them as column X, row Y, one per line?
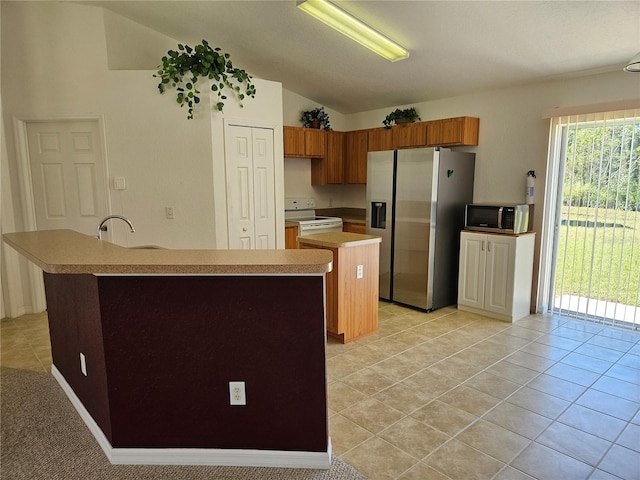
column 596, row 248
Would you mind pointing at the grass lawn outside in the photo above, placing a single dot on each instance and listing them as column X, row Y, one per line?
column 601, row 251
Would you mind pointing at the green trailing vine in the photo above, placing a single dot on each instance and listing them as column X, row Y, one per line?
column 183, row 68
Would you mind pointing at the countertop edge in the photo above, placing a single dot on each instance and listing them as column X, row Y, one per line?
column 70, row 252
column 339, row 239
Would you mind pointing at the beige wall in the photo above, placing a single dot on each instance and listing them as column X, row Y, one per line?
column 55, row 66
column 55, row 59
column 514, row 131
column 514, row 138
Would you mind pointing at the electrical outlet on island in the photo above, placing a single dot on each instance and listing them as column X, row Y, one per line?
column 237, row 393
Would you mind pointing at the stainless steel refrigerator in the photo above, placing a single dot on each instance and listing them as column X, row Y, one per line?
column 415, row 202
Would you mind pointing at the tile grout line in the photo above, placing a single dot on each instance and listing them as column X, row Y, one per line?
column 504, row 358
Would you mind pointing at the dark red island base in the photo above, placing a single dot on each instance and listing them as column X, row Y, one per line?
column 159, row 352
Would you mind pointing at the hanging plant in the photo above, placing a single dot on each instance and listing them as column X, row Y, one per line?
column 408, row 115
column 183, row 68
column 316, row 118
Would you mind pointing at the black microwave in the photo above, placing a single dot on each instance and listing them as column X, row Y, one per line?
column 496, row 218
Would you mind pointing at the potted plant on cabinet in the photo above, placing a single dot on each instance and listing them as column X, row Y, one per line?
column 408, row 115
column 181, row 69
column 316, row 118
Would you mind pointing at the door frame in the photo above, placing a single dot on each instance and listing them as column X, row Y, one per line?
column 549, row 218
column 27, row 201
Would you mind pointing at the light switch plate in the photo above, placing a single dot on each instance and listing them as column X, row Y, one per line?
column 119, row 183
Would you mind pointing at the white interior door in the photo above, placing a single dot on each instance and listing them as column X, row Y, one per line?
column 68, row 175
column 264, row 188
column 250, row 187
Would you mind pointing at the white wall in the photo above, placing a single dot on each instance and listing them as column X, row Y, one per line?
column 55, row 66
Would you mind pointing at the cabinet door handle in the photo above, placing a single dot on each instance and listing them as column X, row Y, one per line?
column 483, row 245
column 488, row 246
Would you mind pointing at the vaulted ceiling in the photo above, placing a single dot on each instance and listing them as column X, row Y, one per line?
column 457, row 47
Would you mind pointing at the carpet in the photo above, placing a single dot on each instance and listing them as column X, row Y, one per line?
column 43, row 437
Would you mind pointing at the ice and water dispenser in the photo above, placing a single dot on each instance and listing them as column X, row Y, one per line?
column 379, row 215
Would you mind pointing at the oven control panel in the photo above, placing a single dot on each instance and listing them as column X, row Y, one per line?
column 299, row 203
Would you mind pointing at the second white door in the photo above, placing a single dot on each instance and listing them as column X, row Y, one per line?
column 250, row 187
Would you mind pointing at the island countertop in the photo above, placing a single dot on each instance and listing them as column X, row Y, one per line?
column 67, row 251
column 338, row 239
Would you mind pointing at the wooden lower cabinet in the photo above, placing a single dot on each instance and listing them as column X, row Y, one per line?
column 291, row 236
column 353, row 227
column 351, row 302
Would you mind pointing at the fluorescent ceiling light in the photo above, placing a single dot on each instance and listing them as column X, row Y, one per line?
column 634, row 64
column 353, row 28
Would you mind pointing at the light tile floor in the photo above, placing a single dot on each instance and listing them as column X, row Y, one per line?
column 452, row 395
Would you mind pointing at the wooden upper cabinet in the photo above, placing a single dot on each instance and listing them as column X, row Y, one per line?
column 341, row 157
column 380, row 139
column 303, row 142
column 314, row 142
column 453, row 131
column 410, row 135
column 293, row 138
column 356, row 156
column 336, row 145
column 330, row 169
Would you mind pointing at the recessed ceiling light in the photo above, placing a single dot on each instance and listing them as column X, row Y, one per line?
column 353, row 28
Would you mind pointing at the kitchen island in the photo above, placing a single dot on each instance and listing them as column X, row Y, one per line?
column 146, row 342
column 352, row 285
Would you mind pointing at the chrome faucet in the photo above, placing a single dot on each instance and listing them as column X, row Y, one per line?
column 124, row 219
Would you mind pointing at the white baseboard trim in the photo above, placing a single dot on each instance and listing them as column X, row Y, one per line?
column 194, row 456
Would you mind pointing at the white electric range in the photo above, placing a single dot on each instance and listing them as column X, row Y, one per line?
column 302, row 211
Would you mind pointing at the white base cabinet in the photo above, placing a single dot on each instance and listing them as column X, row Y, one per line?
column 495, row 274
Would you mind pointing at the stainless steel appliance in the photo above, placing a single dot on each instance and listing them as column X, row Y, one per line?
column 415, row 202
column 497, row 218
column 302, row 211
